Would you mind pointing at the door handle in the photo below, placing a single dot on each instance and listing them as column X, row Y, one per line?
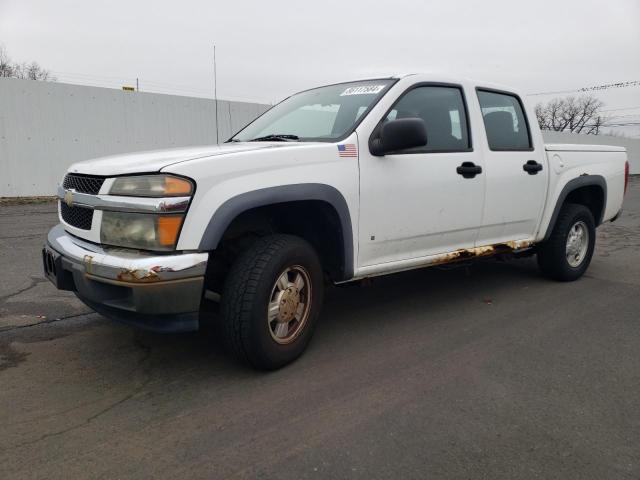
column 532, row 167
column 469, row 169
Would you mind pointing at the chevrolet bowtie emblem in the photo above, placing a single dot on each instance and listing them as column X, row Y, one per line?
column 68, row 197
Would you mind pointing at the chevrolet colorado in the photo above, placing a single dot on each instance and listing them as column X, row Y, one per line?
column 337, row 184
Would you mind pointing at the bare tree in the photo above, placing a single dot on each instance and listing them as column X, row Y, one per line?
column 27, row 71
column 571, row 114
column 31, row 71
column 6, row 67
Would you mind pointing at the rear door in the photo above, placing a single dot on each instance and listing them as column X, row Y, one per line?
column 516, row 173
column 414, row 203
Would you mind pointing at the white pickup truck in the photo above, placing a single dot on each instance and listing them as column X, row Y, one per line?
column 336, row 184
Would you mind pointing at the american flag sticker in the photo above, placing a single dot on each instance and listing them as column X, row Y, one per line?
column 347, row 150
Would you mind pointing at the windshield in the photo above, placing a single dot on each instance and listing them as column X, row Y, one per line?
column 322, row 114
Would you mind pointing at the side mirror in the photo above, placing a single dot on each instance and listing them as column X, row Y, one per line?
column 398, row 135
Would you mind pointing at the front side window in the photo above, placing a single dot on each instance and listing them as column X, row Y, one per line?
column 443, row 111
column 504, row 121
column 322, row 114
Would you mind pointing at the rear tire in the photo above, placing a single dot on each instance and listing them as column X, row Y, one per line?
column 271, row 301
column 567, row 253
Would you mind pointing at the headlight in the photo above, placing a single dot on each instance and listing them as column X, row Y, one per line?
column 151, row 186
column 145, row 224
column 140, row 230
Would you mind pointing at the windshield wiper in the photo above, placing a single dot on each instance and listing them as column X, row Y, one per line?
column 276, row 138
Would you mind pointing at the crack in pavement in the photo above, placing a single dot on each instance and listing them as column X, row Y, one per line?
column 86, row 422
column 147, row 373
column 45, row 322
column 17, row 213
column 31, row 235
column 34, row 282
column 147, row 354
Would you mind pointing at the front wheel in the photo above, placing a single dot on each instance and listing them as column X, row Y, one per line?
column 567, row 253
column 271, row 301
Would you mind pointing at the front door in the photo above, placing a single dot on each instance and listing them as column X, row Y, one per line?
column 414, row 203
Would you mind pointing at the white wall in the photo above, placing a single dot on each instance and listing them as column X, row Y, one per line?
column 631, row 144
column 45, row 127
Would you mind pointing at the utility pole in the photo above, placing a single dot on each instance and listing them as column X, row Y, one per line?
column 215, row 91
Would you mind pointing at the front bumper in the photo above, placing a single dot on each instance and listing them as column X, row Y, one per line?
column 151, row 291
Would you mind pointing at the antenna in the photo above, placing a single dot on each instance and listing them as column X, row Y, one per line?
column 215, row 90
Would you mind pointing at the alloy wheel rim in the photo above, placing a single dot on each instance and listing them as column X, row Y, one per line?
column 577, row 244
column 289, row 304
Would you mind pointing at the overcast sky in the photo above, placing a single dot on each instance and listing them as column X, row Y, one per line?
column 269, row 49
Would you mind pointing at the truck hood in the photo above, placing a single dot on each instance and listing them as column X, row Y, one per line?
column 155, row 160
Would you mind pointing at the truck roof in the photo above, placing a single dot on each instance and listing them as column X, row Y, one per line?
column 439, row 76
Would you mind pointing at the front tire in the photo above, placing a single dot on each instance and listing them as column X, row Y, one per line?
column 566, row 255
column 271, row 301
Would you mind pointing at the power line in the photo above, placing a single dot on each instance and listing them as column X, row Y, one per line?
column 612, row 125
column 607, row 86
column 615, row 117
column 618, row 109
column 633, row 83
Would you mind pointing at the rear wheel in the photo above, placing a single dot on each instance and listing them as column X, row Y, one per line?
column 567, row 253
column 271, row 301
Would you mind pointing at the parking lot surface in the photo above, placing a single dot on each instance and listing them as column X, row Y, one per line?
column 482, row 371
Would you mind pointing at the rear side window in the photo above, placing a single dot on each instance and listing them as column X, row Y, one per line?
column 504, row 121
column 443, row 111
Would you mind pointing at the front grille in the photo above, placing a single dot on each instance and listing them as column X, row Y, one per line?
column 83, row 183
column 79, row 217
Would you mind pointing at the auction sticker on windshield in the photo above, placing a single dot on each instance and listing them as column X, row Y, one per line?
column 363, row 90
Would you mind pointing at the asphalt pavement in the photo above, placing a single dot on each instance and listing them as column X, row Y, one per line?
column 487, row 371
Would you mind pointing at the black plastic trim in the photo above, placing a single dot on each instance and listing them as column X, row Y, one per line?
column 582, row 181
column 233, row 207
column 377, row 128
column 163, row 323
column 616, row 216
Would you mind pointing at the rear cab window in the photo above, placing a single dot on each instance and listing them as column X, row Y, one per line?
column 504, row 121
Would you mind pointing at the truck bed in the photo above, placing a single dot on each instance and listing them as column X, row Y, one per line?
column 573, row 147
